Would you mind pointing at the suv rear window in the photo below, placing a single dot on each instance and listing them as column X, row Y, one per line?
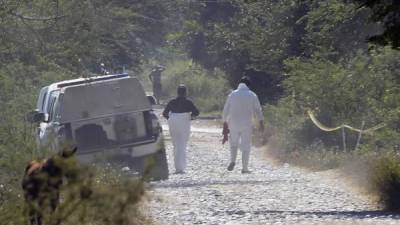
column 114, row 130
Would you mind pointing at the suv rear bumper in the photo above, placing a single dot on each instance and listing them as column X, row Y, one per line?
column 129, row 150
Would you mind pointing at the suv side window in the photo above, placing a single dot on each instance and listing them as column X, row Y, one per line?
column 42, row 99
column 52, row 100
column 55, row 114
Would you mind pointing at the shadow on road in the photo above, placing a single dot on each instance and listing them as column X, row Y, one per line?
column 189, row 184
column 341, row 214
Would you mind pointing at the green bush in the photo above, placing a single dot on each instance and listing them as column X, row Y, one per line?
column 283, row 123
column 208, row 89
column 385, row 180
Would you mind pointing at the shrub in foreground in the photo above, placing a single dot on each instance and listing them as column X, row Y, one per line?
column 94, row 196
column 385, row 180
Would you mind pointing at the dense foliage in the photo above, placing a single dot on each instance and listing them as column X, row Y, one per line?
column 388, row 13
column 201, row 84
column 244, row 38
column 79, row 35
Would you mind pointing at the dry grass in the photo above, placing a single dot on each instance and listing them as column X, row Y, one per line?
column 315, row 157
column 375, row 174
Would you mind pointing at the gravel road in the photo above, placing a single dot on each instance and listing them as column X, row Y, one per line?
column 272, row 194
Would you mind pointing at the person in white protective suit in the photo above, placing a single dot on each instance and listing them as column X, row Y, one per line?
column 240, row 108
column 179, row 112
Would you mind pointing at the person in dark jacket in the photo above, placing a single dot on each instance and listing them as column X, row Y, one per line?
column 179, row 112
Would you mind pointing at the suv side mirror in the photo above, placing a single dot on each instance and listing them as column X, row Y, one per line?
column 35, row 117
column 152, row 100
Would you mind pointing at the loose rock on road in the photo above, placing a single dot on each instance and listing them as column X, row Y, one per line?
column 271, row 194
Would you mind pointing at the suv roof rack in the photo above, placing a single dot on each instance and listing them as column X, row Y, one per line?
column 92, row 79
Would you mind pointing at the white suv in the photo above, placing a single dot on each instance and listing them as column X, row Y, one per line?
column 107, row 117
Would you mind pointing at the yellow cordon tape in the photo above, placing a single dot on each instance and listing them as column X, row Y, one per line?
column 329, row 129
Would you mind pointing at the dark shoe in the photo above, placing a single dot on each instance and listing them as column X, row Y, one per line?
column 231, row 166
column 246, row 171
column 179, row 172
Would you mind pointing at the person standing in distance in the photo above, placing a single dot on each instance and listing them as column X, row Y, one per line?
column 240, row 108
column 179, row 112
column 155, row 78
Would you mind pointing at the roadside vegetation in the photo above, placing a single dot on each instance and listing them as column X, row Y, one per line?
column 338, row 58
column 88, row 197
column 208, row 89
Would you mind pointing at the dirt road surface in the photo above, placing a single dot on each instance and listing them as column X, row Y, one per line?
column 272, row 194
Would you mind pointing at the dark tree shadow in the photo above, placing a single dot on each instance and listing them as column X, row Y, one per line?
column 278, row 213
column 188, row 184
column 341, row 214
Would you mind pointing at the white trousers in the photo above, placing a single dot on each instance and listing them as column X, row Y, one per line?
column 240, row 139
column 179, row 129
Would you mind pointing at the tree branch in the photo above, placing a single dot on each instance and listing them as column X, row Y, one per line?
column 23, row 17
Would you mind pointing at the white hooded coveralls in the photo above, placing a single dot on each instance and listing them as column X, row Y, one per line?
column 240, row 108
